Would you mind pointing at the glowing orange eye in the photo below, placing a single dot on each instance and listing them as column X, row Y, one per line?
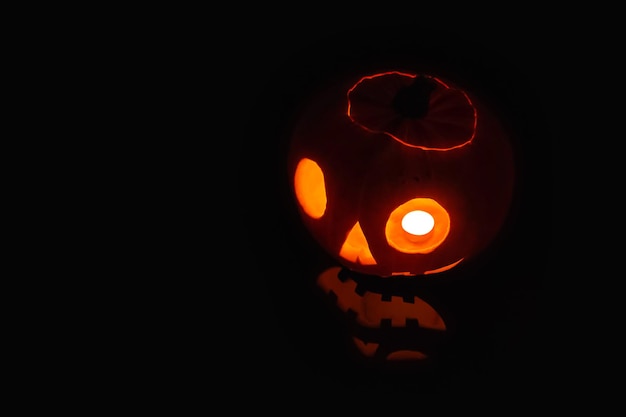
column 418, row 226
column 310, row 188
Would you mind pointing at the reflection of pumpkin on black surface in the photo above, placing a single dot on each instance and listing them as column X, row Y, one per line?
column 384, row 326
column 398, row 175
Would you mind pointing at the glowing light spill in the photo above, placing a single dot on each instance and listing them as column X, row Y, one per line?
column 418, row 222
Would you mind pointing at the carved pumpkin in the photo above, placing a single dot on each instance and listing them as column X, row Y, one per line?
column 400, row 173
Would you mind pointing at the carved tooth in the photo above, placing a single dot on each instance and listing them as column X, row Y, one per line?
column 414, row 323
column 352, row 316
column 343, row 275
column 409, row 299
column 360, row 290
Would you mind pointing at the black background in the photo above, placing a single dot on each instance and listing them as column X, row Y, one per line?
column 202, row 286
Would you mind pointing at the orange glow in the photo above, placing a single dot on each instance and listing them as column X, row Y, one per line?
column 370, row 308
column 405, row 242
column 404, row 127
column 443, row 268
column 310, row 188
column 355, row 248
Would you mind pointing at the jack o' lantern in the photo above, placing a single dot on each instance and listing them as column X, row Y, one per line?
column 400, row 173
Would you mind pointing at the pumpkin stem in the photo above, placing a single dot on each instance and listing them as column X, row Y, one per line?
column 412, row 101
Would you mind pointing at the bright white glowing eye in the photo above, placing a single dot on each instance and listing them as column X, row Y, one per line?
column 418, row 222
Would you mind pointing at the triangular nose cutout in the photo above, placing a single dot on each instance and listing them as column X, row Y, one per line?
column 355, row 248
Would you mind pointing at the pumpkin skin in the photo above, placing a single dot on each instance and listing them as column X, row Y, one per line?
column 369, row 148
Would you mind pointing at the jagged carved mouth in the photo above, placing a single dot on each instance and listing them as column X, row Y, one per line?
column 383, row 324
